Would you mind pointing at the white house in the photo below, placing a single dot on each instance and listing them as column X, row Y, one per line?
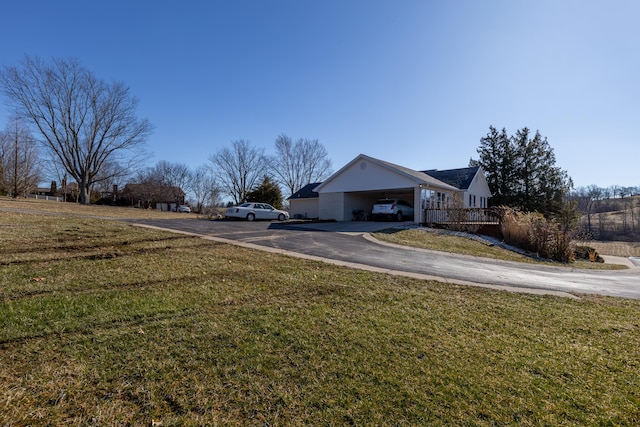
column 471, row 183
column 365, row 179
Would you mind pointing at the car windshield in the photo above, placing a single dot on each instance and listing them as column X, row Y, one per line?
column 384, row 202
column 244, row 205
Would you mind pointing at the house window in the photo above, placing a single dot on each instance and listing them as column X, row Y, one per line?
column 426, row 197
column 434, row 199
column 472, row 201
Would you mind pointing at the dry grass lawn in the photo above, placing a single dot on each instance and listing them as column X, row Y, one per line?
column 105, row 324
column 96, row 211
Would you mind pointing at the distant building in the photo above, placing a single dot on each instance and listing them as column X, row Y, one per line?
column 151, row 196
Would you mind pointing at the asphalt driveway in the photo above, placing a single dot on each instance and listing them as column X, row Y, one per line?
column 349, row 243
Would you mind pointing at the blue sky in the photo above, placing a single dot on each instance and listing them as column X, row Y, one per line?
column 413, row 82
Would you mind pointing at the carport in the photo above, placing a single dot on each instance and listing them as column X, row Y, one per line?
column 363, row 200
column 365, row 179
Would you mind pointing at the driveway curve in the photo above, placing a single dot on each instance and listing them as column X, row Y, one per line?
column 350, row 244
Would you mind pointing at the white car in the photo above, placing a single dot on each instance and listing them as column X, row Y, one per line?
column 184, row 208
column 396, row 209
column 253, row 211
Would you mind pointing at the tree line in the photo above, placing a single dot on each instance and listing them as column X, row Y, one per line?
column 20, row 165
column 89, row 130
column 609, row 213
column 242, row 172
column 523, row 176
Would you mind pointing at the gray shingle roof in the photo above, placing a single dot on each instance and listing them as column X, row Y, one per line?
column 460, row 178
column 305, row 192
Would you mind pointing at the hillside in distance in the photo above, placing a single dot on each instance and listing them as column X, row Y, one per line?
column 612, row 218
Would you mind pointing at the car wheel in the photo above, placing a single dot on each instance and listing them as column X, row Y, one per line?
column 251, row 217
column 281, row 217
column 399, row 216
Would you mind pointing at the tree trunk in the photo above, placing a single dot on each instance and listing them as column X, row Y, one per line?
column 84, row 198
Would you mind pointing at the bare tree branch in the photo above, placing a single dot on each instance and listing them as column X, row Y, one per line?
column 299, row 164
column 85, row 122
column 240, row 169
column 20, row 170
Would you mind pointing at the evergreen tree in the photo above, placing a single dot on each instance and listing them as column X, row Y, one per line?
column 497, row 159
column 521, row 171
column 267, row 192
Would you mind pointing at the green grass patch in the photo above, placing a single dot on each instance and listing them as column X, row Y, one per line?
column 108, row 324
column 439, row 241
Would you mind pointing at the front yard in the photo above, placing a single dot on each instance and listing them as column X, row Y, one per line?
column 106, row 324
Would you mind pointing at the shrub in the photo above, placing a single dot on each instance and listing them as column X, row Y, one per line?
column 587, row 253
column 534, row 233
column 514, row 227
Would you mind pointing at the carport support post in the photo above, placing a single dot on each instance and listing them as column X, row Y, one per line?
column 417, row 204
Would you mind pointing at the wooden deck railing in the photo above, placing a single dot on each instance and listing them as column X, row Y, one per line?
column 478, row 216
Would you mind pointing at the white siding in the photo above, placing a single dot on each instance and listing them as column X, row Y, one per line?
column 365, row 176
column 331, row 206
column 479, row 189
column 304, row 208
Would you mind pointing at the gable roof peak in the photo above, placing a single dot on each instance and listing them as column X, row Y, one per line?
column 417, row 176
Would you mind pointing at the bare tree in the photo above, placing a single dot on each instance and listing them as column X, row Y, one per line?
column 299, row 164
column 111, row 179
column 204, row 189
column 174, row 176
column 614, row 190
column 19, row 161
column 85, row 122
column 587, row 198
column 240, row 169
column 4, row 150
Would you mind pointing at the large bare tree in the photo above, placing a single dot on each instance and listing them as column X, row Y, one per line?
column 19, row 161
column 240, row 169
column 85, row 122
column 298, row 164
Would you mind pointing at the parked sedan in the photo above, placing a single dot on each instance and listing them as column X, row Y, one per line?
column 253, row 211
